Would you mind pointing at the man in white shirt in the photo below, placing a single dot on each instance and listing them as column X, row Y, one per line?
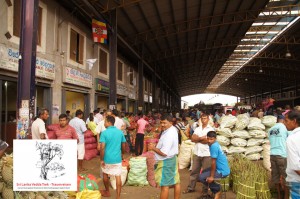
column 118, row 121
column 38, row 127
column 98, row 115
column 292, row 123
column 201, row 157
column 78, row 124
column 166, row 171
column 101, row 127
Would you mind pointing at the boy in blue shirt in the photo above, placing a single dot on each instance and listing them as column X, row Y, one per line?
column 219, row 165
column 111, row 154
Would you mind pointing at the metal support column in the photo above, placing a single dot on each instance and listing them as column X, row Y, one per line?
column 154, row 100
column 113, row 60
column 170, row 101
column 166, row 98
column 161, row 96
column 296, row 88
column 27, row 62
column 141, row 84
column 280, row 90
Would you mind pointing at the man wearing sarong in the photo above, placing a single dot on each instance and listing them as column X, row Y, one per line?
column 111, row 155
column 219, row 166
column 166, row 168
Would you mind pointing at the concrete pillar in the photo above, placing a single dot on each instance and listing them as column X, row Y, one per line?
column 27, row 63
column 113, row 60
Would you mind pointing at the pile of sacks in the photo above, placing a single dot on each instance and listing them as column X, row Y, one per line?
column 90, row 145
column 185, row 155
column 244, row 135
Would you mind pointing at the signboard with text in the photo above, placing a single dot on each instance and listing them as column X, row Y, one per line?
column 145, row 98
column 101, row 85
column 74, row 76
column 9, row 60
column 121, row 89
column 131, row 94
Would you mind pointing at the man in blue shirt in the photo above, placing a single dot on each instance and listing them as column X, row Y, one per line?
column 219, row 165
column 111, row 155
column 278, row 135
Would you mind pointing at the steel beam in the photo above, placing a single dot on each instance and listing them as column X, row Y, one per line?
column 215, row 21
column 216, row 44
column 272, row 73
column 118, row 4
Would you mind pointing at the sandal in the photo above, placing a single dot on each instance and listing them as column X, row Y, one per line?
column 188, row 191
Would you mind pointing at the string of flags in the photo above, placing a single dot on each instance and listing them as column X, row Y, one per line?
column 99, row 31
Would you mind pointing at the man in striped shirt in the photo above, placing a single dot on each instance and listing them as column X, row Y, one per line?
column 180, row 126
column 65, row 131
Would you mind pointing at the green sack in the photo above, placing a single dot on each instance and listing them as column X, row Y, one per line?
column 86, row 181
column 138, row 172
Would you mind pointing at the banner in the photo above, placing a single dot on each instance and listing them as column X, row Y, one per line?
column 74, row 76
column 101, row 85
column 9, row 60
column 99, row 31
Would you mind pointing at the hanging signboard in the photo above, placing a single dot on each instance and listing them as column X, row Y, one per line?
column 101, row 85
column 131, row 94
column 9, row 60
column 121, row 89
column 74, row 76
column 145, row 98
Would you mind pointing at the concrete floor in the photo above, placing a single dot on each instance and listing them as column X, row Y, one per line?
column 146, row 192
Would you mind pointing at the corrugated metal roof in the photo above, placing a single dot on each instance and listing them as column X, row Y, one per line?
column 191, row 42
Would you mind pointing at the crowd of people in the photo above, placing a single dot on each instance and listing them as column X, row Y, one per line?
column 117, row 132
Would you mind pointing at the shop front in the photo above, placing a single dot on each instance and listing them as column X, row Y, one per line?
column 132, row 105
column 45, row 74
column 146, row 108
column 121, row 98
column 75, row 92
column 102, row 94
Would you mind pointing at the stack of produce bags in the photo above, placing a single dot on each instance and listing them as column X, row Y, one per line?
column 90, row 145
column 244, row 135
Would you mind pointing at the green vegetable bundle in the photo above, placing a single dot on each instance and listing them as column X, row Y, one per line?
column 250, row 180
column 261, row 185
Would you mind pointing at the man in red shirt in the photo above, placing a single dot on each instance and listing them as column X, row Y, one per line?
column 65, row 131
